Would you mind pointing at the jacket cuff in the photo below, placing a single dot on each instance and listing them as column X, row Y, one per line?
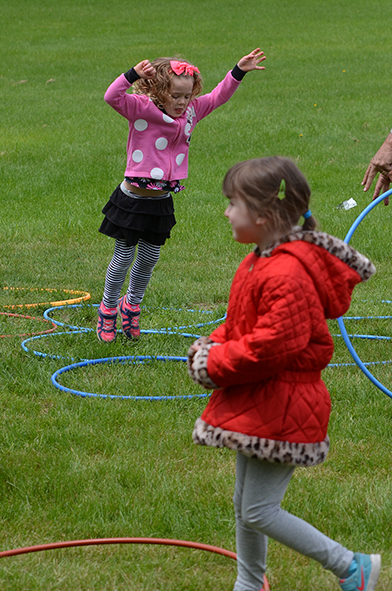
column 131, row 76
column 237, row 73
column 197, row 363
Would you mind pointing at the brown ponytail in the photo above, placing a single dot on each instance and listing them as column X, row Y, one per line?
column 274, row 188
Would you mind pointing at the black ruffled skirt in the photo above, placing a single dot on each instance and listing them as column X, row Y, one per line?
column 131, row 218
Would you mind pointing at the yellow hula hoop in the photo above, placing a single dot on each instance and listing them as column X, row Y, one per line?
column 81, row 296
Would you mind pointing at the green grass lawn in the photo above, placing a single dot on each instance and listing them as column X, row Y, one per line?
column 74, row 468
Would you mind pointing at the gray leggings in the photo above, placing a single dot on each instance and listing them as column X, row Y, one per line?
column 259, row 489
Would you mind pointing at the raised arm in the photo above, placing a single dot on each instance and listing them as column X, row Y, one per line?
column 252, row 60
column 206, row 103
column 144, row 69
column 116, row 95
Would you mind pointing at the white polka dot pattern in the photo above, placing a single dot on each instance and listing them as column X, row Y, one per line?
column 140, row 125
column 180, row 159
column 161, row 143
column 156, row 173
column 167, row 118
column 137, row 156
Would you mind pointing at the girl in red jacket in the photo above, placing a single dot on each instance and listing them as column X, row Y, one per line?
column 270, row 404
column 162, row 114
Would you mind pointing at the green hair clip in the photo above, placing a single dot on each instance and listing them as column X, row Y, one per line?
column 282, row 189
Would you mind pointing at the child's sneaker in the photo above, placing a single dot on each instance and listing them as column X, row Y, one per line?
column 366, row 575
column 129, row 318
column 107, row 326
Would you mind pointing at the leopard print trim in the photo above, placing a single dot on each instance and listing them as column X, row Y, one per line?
column 335, row 246
column 197, row 363
column 282, row 452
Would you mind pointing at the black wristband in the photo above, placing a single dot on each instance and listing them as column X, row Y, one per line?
column 131, row 76
column 237, row 73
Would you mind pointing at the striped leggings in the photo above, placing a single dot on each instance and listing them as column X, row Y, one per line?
column 146, row 259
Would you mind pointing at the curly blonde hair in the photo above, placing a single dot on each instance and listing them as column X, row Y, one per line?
column 158, row 88
column 274, row 188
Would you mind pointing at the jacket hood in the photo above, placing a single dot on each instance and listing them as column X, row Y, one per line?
column 334, row 266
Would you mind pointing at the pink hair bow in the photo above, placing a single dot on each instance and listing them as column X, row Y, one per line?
column 183, row 68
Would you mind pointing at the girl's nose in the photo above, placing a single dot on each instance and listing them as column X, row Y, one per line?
column 227, row 211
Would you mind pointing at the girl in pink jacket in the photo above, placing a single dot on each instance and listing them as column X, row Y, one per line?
column 162, row 114
column 270, row 404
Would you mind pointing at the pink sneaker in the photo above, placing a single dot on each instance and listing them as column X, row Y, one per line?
column 129, row 318
column 107, row 326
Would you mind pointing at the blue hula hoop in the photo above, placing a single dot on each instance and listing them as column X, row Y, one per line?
column 25, row 344
column 26, row 348
column 49, row 355
column 136, row 359
column 342, row 327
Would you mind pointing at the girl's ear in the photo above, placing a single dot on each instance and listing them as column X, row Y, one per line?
column 260, row 221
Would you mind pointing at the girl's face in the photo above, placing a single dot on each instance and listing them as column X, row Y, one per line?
column 248, row 226
column 243, row 221
column 179, row 96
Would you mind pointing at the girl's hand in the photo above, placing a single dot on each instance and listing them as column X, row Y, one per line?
column 250, row 62
column 144, row 69
column 196, row 346
column 197, row 361
column 193, row 349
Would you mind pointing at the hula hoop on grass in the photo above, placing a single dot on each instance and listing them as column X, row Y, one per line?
column 25, row 347
column 102, row 541
column 135, row 359
column 43, row 332
column 26, row 342
column 165, row 330
column 49, row 355
column 80, row 297
column 365, row 337
column 342, row 327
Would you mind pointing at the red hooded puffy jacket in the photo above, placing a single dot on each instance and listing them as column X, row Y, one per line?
column 271, row 402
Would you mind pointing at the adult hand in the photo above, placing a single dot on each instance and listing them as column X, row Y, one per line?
column 144, row 69
column 250, row 62
column 382, row 163
column 382, row 185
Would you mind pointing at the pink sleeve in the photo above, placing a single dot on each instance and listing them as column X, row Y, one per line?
column 117, row 97
column 204, row 105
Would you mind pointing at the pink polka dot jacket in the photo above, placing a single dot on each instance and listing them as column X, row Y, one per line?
column 265, row 361
column 157, row 144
